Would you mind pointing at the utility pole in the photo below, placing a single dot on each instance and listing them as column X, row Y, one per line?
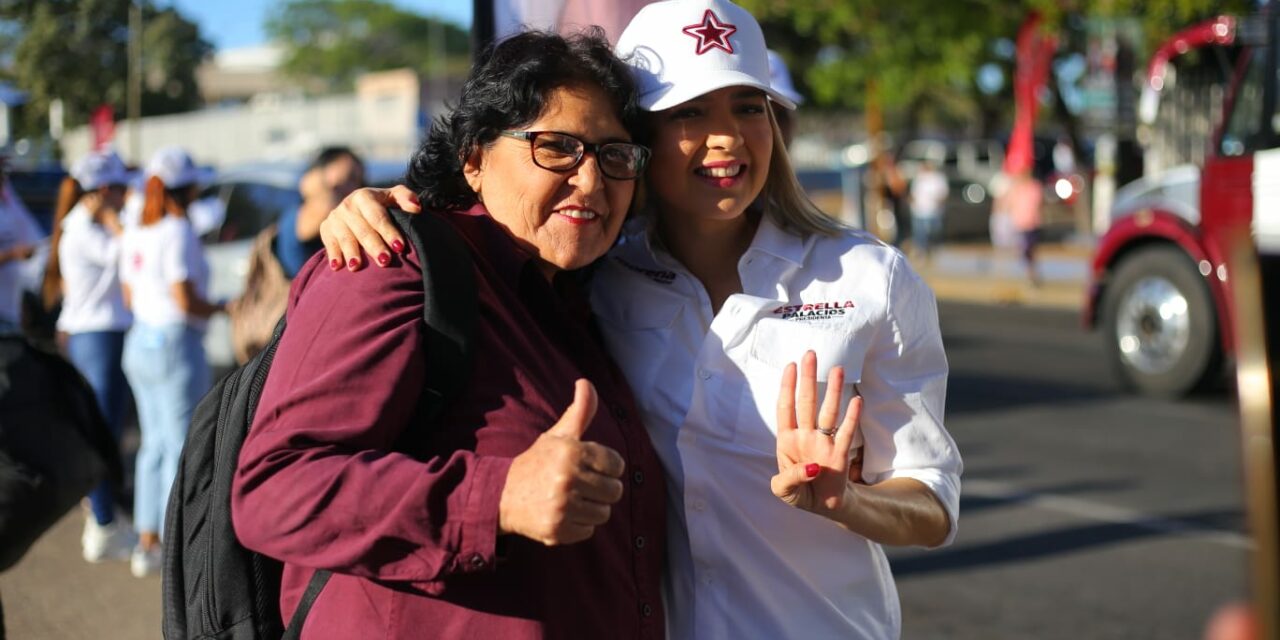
column 437, row 81
column 135, row 81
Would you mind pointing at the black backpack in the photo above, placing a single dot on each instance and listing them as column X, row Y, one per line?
column 54, row 443
column 213, row 586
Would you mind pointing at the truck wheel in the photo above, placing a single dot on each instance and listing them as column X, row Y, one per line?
column 1160, row 324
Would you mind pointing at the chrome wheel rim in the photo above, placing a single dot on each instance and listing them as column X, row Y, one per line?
column 1153, row 326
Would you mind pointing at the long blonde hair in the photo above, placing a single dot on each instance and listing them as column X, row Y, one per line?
column 784, row 199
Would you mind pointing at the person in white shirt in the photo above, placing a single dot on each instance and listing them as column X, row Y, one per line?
column 20, row 236
column 778, row 504
column 929, row 191
column 83, row 274
column 165, row 280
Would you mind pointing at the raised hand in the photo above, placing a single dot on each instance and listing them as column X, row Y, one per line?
column 814, row 445
column 561, row 488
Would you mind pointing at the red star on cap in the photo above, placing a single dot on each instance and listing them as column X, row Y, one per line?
column 711, row 33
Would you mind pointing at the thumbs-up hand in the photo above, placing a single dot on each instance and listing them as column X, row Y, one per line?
column 561, row 488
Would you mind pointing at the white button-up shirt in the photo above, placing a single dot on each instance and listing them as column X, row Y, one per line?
column 742, row 564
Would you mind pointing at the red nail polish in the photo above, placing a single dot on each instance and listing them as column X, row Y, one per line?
column 353, row 264
column 335, row 264
column 811, row 470
column 397, row 246
column 384, row 259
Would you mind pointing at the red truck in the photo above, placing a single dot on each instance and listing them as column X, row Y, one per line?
column 1159, row 288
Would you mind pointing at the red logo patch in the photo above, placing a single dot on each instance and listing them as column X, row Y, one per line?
column 137, row 260
column 711, row 33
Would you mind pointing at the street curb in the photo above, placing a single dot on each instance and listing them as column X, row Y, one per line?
column 1067, row 296
column 980, row 274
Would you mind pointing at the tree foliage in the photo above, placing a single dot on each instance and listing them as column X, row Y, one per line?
column 924, row 54
column 335, row 40
column 77, row 51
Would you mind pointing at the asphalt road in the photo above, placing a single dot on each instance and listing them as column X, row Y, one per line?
column 1086, row 513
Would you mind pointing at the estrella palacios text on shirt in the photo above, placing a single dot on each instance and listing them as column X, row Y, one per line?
column 814, row 310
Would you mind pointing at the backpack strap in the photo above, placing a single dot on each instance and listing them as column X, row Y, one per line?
column 450, row 308
column 317, row 582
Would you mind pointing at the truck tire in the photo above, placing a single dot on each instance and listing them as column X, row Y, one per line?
column 1160, row 325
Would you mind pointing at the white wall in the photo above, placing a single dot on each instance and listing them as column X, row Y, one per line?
column 381, row 127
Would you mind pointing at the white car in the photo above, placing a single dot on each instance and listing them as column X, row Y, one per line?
column 254, row 196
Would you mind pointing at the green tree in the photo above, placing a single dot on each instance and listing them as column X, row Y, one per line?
column 915, row 55
column 333, row 41
column 77, row 51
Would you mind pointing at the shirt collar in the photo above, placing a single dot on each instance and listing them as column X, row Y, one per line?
column 778, row 242
column 639, row 239
column 494, row 244
column 514, row 264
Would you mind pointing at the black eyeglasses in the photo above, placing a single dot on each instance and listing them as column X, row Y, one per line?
column 562, row 152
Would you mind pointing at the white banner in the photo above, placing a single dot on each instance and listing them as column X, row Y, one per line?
column 565, row 16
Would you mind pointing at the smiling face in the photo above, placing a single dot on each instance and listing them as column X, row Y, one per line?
column 711, row 154
column 568, row 219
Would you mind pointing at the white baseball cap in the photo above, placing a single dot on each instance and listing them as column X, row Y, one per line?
column 174, row 167
column 100, row 169
column 780, row 78
column 681, row 49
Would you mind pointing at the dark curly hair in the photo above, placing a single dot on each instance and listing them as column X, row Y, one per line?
column 508, row 89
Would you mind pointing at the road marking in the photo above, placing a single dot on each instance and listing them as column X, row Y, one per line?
column 1100, row 512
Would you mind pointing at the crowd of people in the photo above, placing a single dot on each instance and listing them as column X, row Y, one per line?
column 128, row 282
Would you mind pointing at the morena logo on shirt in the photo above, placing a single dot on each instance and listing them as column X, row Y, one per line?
column 813, row 310
column 660, row 277
column 137, row 260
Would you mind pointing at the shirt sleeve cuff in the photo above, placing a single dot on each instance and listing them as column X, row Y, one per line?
column 945, row 487
column 478, row 533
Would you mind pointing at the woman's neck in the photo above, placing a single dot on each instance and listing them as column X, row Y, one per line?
column 710, row 250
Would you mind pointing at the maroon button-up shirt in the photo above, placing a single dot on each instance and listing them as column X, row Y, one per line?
column 337, row 473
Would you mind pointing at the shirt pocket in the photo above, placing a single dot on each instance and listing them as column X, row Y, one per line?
column 776, row 343
column 637, row 337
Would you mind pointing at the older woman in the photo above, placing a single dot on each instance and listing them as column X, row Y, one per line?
column 727, row 279
column 508, row 516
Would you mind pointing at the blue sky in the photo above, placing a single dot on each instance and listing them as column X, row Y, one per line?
column 229, row 24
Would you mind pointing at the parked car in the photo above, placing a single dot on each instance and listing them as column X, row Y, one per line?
column 255, row 196
column 971, row 167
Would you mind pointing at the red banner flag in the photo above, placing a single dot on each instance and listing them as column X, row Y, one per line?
column 103, row 124
column 1035, row 52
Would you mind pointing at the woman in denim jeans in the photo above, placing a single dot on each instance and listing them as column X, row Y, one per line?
column 83, row 276
column 165, row 278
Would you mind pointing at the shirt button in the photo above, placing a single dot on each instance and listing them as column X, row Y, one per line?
column 699, row 504
column 638, row 477
column 704, row 374
column 640, row 542
column 477, row 561
column 646, row 610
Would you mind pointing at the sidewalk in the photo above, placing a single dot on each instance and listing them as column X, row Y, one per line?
column 979, row 274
